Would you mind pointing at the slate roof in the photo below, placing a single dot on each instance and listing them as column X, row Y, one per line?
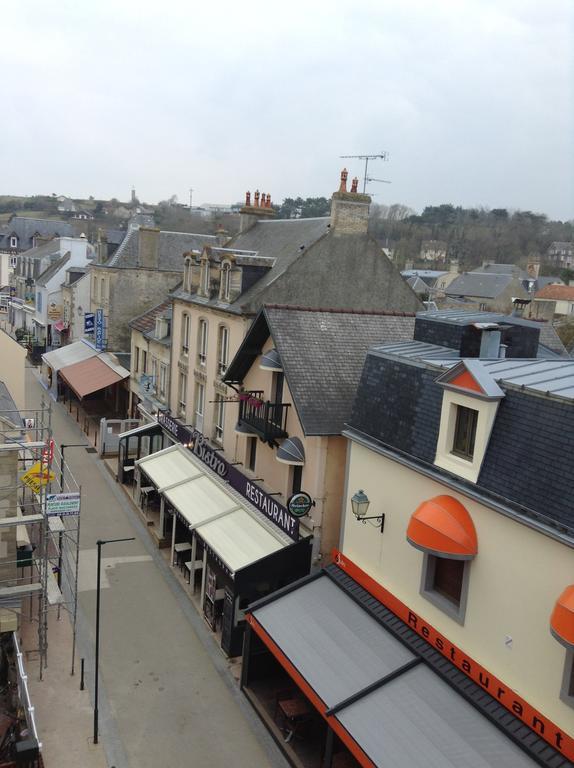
column 322, row 353
column 480, row 284
column 172, row 246
column 556, row 293
column 527, row 464
column 146, row 321
column 52, row 270
column 26, row 229
column 502, row 269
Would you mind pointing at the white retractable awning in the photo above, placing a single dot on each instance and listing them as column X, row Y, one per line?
column 200, row 500
column 239, row 539
column 227, row 523
column 68, row 355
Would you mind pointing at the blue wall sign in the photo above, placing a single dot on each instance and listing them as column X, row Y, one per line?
column 99, row 329
column 89, row 322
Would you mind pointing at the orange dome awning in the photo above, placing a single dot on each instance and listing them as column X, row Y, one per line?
column 562, row 619
column 442, row 526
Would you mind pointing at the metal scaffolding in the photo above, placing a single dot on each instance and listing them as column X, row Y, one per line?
column 41, row 538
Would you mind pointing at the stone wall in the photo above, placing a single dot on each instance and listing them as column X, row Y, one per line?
column 132, row 292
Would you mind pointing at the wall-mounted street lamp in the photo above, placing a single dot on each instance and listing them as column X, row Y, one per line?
column 360, row 504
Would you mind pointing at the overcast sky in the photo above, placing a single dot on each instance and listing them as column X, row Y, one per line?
column 471, row 98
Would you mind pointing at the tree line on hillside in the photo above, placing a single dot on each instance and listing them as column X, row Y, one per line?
column 472, row 235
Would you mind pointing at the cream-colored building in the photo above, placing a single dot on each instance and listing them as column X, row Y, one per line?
column 294, row 376
column 325, row 262
column 12, row 367
column 150, row 361
column 469, row 533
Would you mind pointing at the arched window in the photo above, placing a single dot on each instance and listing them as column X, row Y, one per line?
column 225, row 281
column 102, row 290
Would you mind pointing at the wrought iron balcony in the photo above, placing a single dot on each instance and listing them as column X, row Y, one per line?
column 263, row 418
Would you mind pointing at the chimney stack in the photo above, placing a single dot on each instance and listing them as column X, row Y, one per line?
column 252, row 212
column 349, row 210
column 148, row 247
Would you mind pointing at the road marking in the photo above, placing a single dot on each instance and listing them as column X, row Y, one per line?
column 88, row 568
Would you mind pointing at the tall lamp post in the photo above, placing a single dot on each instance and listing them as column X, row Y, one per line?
column 100, row 543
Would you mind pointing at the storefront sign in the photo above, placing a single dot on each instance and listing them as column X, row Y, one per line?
column 534, row 719
column 54, row 311
column 99, row 329
column 194, row 440
column 62, row 504
column 89, row 322
column 299, row 504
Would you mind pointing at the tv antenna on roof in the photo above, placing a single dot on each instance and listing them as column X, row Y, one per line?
column 381, row 156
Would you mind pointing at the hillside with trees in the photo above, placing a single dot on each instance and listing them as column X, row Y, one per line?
column 472, row 235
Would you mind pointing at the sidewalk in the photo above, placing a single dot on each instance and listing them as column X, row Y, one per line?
column 64, row 715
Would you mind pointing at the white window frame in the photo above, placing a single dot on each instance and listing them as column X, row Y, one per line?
column 182, row 394
column 456, row 612
column 225, row 281
column 185, row 331
column 202, row 342
column 222, row 349
column 205, row 277
column 13, row 241
column 162, row 382
column 199, row 405
column 469, row 469
column 219, row 419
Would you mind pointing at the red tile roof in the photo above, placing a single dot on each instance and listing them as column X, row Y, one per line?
column 146, row 322
column 556, row 292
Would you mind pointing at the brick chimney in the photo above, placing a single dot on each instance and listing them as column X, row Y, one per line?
column 148, row 247
column 252, row 212
column 349, row 210
column 102, row 247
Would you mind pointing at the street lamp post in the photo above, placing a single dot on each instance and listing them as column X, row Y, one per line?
column 100, row 543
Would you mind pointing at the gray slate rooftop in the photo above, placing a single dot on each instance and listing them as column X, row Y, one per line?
column 323, row 353
column 480, row 284
column 52, row 270
column 8, row 408
column 25, row 229
column 172, row 246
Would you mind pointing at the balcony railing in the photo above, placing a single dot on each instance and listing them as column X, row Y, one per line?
column 263, row 418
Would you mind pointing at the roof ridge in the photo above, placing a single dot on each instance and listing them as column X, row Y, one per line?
column 335, row 310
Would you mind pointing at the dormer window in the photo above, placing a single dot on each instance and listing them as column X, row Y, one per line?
column 187, row 275
column 205, row 277
column 464, row 432
column 225, row 281
column 13, row 241
column 469, row 406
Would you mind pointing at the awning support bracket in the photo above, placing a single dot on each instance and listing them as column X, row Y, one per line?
column 373, row 686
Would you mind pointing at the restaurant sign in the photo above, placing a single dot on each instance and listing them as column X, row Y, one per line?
column 197, row 443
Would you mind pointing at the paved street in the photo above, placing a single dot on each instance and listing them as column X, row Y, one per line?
column 167, row 697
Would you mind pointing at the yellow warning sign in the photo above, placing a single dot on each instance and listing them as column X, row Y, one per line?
column 37, row 476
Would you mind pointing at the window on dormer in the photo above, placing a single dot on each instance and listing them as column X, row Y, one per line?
column 205, row 277
column 187, row 276
column 13, row 241
column 464, row 432
column 225, row 281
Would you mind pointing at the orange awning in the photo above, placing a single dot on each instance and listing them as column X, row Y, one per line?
column 562, row 619
column 89, row 376
column 442, row 526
